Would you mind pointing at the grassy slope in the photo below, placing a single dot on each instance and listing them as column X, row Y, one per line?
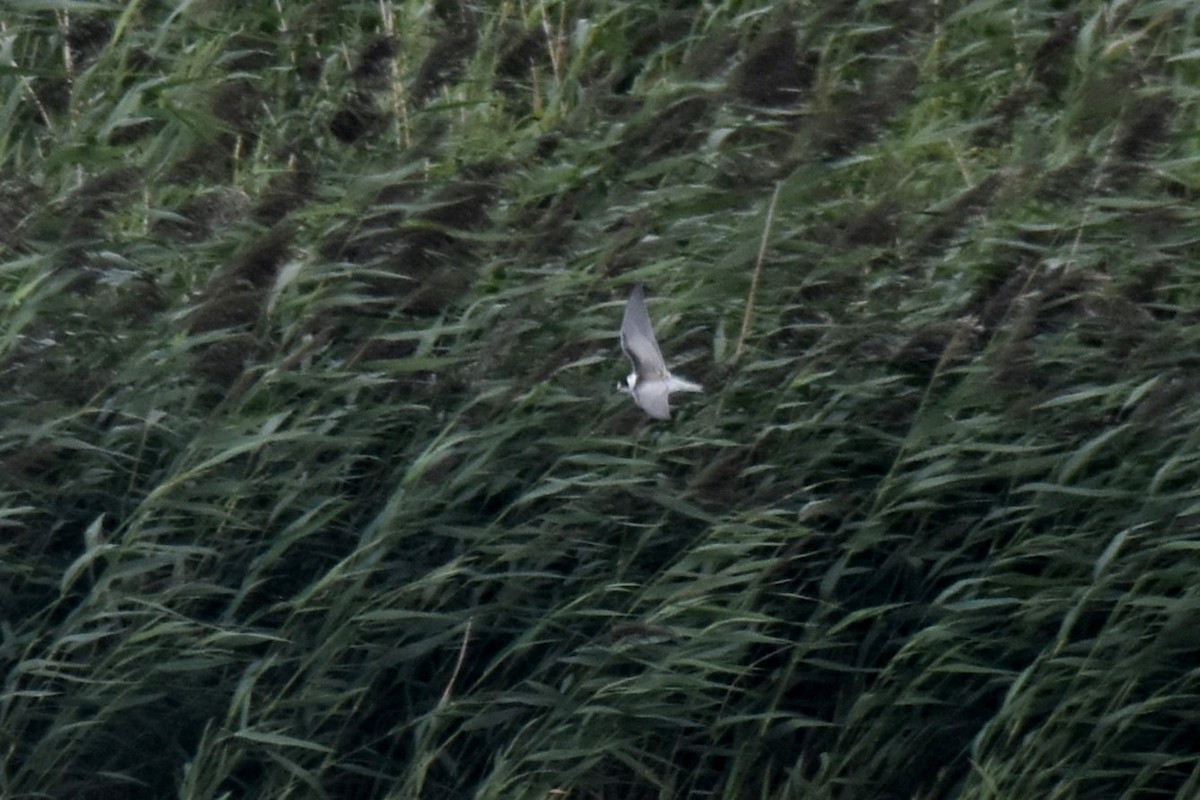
column 312, row 482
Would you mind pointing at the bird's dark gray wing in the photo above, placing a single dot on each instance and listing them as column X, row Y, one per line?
column 637, row 337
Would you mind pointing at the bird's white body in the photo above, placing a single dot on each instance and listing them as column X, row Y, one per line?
column 650, row 383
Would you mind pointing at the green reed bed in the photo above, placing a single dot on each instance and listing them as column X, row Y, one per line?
column 313, row 482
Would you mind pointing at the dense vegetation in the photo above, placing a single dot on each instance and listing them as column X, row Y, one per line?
column 314, row 483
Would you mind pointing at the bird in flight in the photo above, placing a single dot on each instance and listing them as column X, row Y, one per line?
column 650, row 383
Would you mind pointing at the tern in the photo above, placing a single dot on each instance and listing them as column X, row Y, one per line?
column 650, row 383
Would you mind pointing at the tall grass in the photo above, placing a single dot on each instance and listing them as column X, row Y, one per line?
column 312, row 482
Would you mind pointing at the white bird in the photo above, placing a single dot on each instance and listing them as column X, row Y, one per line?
column 650, row 383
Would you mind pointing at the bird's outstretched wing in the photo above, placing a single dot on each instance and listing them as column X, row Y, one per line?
column 637, row 339
column 653, row 396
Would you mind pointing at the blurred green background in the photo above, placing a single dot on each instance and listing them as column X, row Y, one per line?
column 314, row 482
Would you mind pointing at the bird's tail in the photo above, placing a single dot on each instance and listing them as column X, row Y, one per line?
column 682, row 385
